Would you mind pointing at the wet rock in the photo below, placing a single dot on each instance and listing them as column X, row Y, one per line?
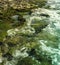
column 15, row 17
column 18, row 20
column 21, row 19
column 1, row 43
column 17, row 5
column 28, row 61
column 32, row 52
column 30, row 12
column 4, row 49
column 11, row 44
column 8, row 56
column 38, row 24
column 7, row 37
column 45, row 15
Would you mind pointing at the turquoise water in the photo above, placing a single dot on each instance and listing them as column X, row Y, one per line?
column 54, row 29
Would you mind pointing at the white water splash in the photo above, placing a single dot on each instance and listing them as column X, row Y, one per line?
column 54, row 29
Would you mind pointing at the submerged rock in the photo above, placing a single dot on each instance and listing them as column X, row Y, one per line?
column 18, row 20
column 46, row 15
column 28, row 61
column 15, row 17
column 38, row 24
column 1, row 43
column 8, row 56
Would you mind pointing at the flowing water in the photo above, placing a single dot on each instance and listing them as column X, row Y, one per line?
column 50, row 47
column 54, row 29
column 49, row 39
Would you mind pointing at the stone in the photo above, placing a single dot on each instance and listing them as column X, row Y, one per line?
column 46, row 15
column 38, row 24
column 1, row 43
column 8, row 56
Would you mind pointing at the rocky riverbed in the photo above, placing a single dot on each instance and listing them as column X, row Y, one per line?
column 29, row 32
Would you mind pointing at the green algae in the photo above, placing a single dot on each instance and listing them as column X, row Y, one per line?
column 4, row 26
column 22, row 39
column 28, row 61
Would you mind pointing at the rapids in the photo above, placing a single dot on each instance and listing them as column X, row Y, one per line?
column 49, row 44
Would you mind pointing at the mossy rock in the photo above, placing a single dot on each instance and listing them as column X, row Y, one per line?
column 38, row 24
column 28, row 61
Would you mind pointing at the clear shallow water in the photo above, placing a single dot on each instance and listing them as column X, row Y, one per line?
column 54, row 29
